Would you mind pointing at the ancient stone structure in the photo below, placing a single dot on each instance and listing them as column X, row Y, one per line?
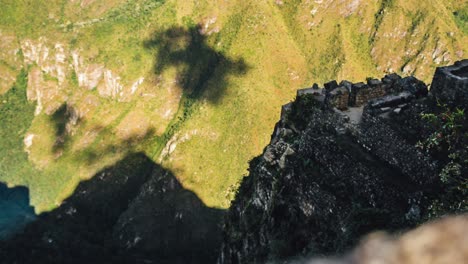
column 450, row 84
column 373, row 89
column 347, row 94
column 339, row 97
column 346, row 160
column 343, row 161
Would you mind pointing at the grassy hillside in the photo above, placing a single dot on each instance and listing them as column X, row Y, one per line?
column 197, row 85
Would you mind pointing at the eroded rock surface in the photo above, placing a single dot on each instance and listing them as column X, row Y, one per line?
column 331, row 175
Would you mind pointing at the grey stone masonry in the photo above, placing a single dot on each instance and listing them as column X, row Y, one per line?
column 315, row 90
column 372, row 90
column 339, row 98
column 330, row 85
column 450, row 84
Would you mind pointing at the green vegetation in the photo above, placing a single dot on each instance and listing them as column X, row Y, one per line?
column 16, row 115
column 333, row 59
column 215, row 77
column 228, row 35
column 385, row 5
column 461, row 18
column 448, row 126
column 74, row 79
column 17, row 15
column 448, row 142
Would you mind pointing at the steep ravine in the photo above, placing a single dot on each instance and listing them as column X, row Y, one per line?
column 343, row 161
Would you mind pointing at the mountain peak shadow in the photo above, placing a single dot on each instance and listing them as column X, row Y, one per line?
column 132, row 212
column 196, row 62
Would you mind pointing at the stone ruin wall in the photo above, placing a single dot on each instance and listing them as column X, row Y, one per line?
column 339, row 98
column 347, row 94
column 365, row 93
column 450, row 84
column 331, row 138
column 387, row 98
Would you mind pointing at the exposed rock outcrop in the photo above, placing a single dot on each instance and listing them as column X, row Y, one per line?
column 343, row 161
column 54, row 67
column 335, row 171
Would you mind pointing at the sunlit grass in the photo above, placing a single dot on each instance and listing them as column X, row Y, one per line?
column 284, row 47
column 461, row 18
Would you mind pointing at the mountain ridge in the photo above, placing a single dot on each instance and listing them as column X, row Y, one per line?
column 91, row 56
column 327, row 178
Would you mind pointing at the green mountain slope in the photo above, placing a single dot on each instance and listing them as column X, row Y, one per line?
column 196, row 85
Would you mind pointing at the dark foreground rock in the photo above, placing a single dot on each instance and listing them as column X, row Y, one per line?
column 343, row 161
column 132, row 212
column 441, row 241
column 335, row 171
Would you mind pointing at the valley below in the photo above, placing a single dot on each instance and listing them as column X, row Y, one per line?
column 141, row 131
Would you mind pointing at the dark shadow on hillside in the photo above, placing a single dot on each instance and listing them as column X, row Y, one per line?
column 93, row 154
column 132, row 212
column 196, row 62
column 15, row 210
column 63, row 119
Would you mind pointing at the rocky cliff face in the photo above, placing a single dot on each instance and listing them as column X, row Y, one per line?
column 343, row 161
column 330, row 176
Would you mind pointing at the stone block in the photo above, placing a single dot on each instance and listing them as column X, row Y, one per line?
column 329, row 86
column 450, row 84
column 390, row 100
column 374, row 83
column 339, row 98
column 414, row 86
